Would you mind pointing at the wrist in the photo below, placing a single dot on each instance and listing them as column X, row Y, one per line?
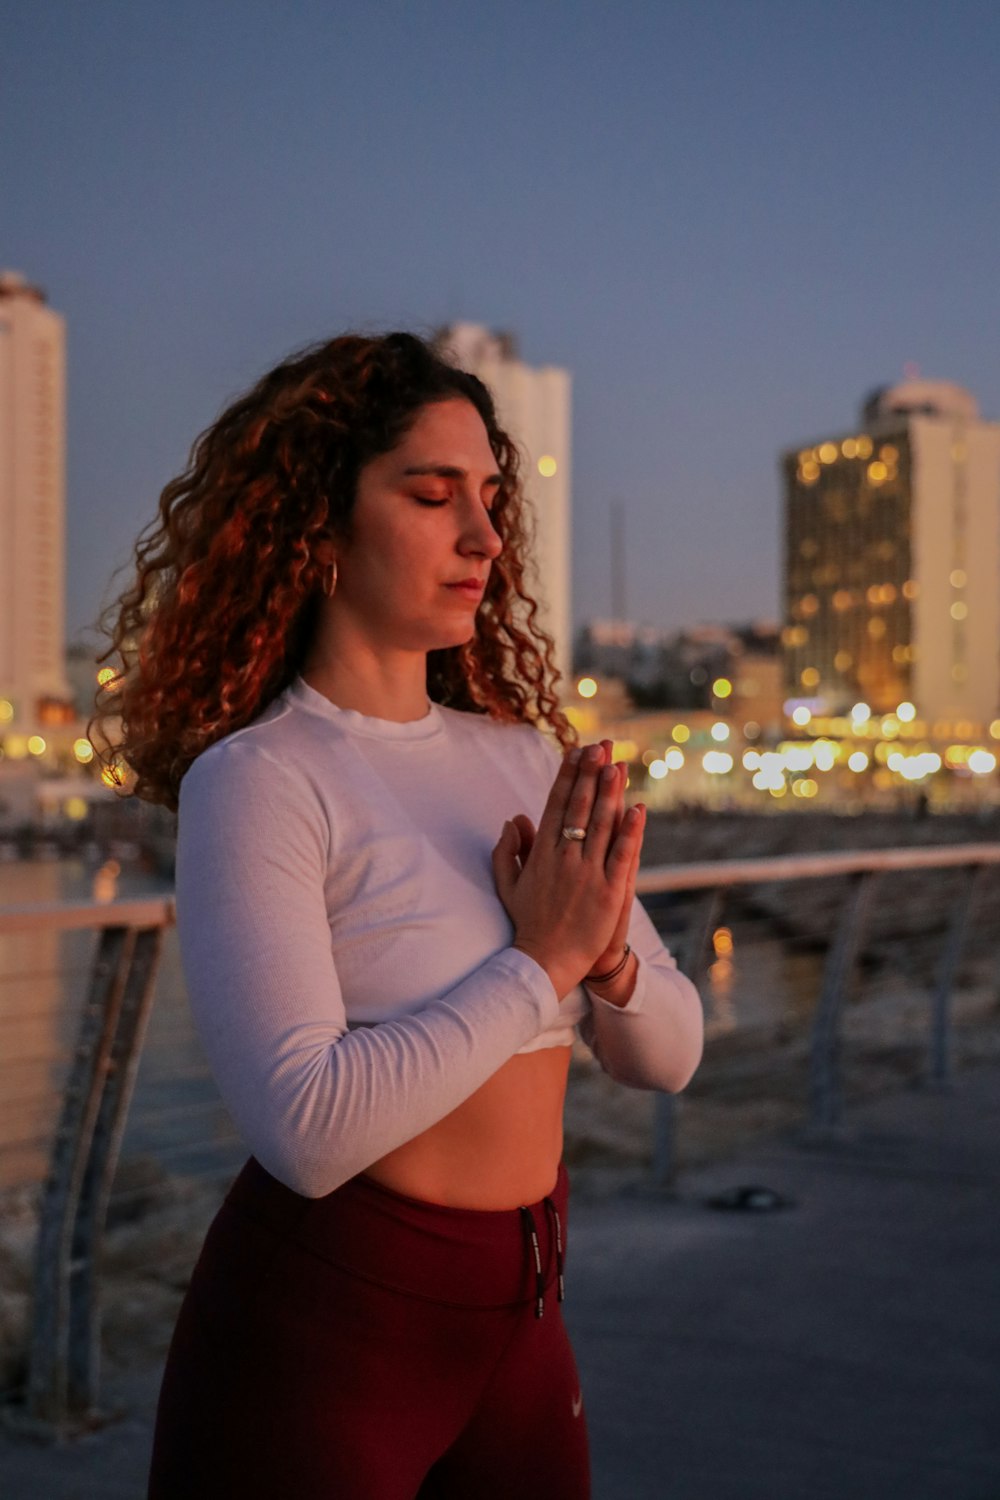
column 619, row 990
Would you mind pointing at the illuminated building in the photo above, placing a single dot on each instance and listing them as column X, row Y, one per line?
column 534, row 406
column 33, row 688
column 892, row 559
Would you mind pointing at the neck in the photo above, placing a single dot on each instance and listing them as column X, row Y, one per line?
column 378, row 683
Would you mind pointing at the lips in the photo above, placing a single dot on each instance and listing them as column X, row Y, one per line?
column 471, row 586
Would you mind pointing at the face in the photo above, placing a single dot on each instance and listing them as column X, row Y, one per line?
column 413, row 574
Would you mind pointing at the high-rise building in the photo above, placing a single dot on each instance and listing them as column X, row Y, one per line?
column 33, row 688
column 534, row 406
column 892, row 560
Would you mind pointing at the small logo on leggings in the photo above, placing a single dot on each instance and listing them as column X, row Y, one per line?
column 578, row 1403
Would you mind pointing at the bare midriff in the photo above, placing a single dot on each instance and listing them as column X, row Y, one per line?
column 498, row 1149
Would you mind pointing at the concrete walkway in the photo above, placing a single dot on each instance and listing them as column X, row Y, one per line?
column 844, row 1348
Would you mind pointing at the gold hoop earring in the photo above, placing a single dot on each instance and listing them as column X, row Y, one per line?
column 329, row 584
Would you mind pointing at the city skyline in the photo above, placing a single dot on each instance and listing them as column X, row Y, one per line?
column 723, row 222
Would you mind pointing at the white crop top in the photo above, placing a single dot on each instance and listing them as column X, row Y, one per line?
column 346, row 954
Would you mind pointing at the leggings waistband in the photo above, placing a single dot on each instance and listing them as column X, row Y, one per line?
column 465, row 1257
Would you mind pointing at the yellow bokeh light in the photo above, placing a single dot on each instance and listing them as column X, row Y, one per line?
column 722, row 941
column 958, row 578
column 888, row 454
column 84, row 751
column 809, row 676
column 106, row 674
column 877, row 472
column 911, row 589
column 681, row 733
column 864, row 447
column 75, row 808
column 722, row 687
column 586, row 687
column 876, row 629
column 6, row 710
column 809, row 472
column 547, row 466
column 849, row 448
column 828, row 453
column 959, row 610
column 843, row 660
column 36, row 745
column 995, row 729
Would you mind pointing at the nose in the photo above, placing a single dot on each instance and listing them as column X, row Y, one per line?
column 480, row 536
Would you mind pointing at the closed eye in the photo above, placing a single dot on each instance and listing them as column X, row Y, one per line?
column 428, row 500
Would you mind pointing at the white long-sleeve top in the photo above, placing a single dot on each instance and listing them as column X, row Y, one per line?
column 347, row 957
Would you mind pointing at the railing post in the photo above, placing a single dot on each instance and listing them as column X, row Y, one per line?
column 63, row 1362
column 665, row 1106
column 939, row 1069
column 84, row 1343
column 825, row 1092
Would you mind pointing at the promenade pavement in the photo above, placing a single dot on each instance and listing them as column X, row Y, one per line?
column 846, row 1347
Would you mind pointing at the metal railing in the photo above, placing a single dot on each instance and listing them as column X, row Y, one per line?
column 63, row 1376
column 64, row 1354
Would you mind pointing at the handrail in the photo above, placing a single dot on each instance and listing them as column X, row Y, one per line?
column 66, row 916
column 768, row 868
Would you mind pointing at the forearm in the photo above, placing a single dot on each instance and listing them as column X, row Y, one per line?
column 317, row 1105
column 646, row 1027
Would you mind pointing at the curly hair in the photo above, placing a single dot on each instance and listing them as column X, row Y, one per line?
column 227, row 585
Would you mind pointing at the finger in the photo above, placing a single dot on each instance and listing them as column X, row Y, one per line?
column 554, row 812
column 504, row 858
column 601, row 829
column 580, row 803
column 623, row 853
column 526, row 832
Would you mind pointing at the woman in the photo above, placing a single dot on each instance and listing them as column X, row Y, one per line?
column 331, row 652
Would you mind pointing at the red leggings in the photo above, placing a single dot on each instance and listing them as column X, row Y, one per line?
column 369, row 1346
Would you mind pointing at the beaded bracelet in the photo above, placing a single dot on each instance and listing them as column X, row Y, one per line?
column 612, row 973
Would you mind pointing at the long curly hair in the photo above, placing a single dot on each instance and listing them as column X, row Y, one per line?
column 224, row 601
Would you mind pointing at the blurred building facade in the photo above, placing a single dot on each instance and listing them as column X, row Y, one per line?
column 892, row 560
column 33, row 688
column 534, row 405
column 729, row 669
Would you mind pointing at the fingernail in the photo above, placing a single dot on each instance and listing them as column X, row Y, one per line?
column 574, row 755
column 609, row 774
column 592, row 754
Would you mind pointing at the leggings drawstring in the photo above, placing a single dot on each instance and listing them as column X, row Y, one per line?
column 531, row 1243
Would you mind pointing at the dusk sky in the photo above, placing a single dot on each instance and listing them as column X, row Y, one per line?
column 728, row 219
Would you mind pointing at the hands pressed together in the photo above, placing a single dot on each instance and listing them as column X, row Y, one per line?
column 570, row 898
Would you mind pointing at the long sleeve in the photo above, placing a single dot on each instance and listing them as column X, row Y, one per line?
column 316, row 1102
column 655, row 1041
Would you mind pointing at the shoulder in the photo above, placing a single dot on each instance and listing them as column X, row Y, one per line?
column 258, row 774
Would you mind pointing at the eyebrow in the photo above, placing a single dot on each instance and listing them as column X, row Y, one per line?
column 449, row 471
